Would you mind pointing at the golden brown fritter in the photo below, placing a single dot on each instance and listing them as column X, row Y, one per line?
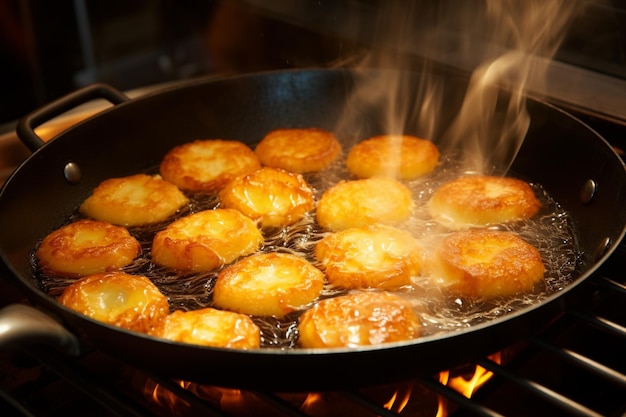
column 268, row 284
column 211, row 327
column 480, row 200
column 134, row 200
column 398, row 156
column 357, row 319
column 299, row 150
column 271, row 196
column 378, row 256
column 207, row 165
column 364, row 202
column 206, row 240
column 86, row 247
column 129, row 301
column 485, row 263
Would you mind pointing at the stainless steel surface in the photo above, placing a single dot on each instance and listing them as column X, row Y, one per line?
column 23, row 325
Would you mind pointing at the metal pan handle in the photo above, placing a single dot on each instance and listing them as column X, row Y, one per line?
column 21, row 325
column 27, row 124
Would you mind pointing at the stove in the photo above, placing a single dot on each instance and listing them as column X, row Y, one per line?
column 573, row 366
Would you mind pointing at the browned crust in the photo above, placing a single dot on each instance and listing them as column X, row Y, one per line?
column 364, row 318
column 268, row 284
column 483, row 200
column 207, row 165
column 206, row 240
column 272, row 196
column 376, row 257
column 129, row 301
column 399, row 156
column 486, row 263
column 86, row 247
column 211, row 327
column 299, row 150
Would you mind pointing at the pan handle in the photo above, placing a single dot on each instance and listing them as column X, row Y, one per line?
column 27, row 124
column 21, row 324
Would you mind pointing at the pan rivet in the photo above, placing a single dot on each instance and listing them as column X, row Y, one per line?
column 588, row 191
column 72, row 173
column 602, row 248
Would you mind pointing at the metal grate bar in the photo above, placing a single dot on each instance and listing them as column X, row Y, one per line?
column 208, row 409
column 600, row 322
column 378, row 409
column 459, row 399
column 571, row 407
column 283, row 406
column 89, row 384
column 12, row 406
column 611, row 285
column 584, row 362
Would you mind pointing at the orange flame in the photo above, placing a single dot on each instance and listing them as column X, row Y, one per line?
column 399, row 399
column 468, row 387
column 464, row 385
column 162, row 397
column 310, row 400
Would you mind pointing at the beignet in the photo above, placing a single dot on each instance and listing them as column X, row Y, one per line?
column 129, row 301
column 86, row 247
column 134, row 200
column 272, row 196
column 268, row 284
column 480, row 200
column 206, row 240
column 485, row 263
column 207, row 165
column 374, row 257
column 363, row 318
column 298, row 150
column 398, row 156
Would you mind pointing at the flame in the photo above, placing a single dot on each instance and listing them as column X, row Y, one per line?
column 162, row 397
column 466, row 384
column 468, row 387
column 311, row 399
column 399, row 399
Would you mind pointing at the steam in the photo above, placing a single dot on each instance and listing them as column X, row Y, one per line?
column 508, row 42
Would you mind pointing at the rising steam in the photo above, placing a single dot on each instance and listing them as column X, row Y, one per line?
column 507, row 42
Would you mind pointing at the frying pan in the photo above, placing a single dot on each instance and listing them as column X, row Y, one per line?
column 574, row 164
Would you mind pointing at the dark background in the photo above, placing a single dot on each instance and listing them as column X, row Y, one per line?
column 48, row 48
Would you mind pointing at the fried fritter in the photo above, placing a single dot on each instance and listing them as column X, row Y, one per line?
column 134, row 200
column 364, row 202
column 357, row 319
column 480, row 200
column 206, row 240
column 211, row 327
column 268, row 284
column 299, row 150
column 86, row 247
column 207, row 165
column 378, row 256
column 485, row 263
column 272, row 196
column 129, row 301
column 398, row 156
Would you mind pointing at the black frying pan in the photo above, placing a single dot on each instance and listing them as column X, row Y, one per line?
column 572, row 162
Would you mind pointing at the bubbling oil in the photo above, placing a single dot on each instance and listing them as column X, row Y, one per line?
column 550, row 231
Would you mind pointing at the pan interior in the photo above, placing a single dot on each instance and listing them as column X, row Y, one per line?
column 149, row 127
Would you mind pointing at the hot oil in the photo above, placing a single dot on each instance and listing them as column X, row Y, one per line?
column 550, row 231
